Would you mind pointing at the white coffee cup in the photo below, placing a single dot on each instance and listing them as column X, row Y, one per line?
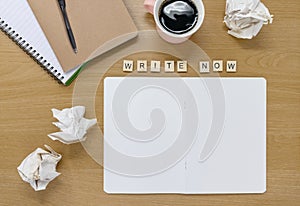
column 153, row 7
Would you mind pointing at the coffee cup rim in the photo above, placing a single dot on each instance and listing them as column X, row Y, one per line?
column 201, row 13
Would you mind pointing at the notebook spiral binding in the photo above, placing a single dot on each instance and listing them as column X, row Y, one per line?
column 26, row 47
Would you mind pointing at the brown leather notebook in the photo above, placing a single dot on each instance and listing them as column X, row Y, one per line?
column 97, row 25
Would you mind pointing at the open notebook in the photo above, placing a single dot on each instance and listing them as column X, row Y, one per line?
column 33, row 27
column 184, row 135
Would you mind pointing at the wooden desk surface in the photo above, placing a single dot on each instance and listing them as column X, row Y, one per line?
column 27, row 94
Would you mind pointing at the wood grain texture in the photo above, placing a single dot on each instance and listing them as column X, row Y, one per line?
column 27, row 94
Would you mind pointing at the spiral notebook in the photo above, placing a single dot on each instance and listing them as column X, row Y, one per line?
column 19, row 23
column 37, row 27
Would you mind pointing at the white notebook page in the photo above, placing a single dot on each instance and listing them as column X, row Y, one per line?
column 236, row 165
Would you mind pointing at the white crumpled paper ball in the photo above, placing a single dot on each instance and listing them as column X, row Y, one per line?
column 72, row 124
column 39, row 168
column 245, row 18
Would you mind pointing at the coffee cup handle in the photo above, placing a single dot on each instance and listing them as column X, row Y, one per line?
column 149, row 5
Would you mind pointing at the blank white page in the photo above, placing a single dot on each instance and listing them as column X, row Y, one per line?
column 226, row 155
column 238, row 162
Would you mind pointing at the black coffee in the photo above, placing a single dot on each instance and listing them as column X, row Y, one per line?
column 178, row 16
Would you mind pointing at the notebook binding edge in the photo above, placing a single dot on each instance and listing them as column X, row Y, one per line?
column 28, row 49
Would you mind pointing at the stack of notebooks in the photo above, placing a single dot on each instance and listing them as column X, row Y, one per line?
column 38, row 28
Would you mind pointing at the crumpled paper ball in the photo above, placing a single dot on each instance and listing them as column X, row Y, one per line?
column 245, row 18
column 72, row 124
column 39, row 168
